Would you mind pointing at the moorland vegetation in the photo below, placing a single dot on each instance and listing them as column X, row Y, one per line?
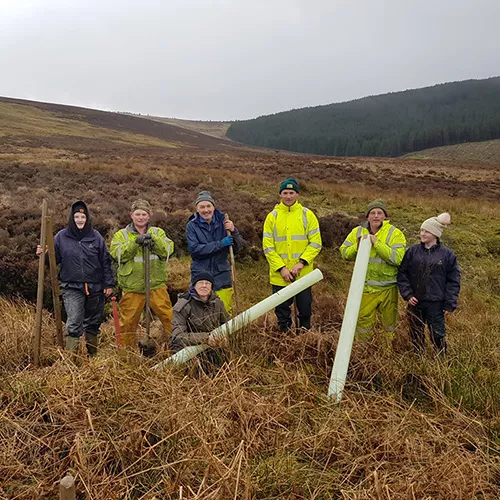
column 408, row 427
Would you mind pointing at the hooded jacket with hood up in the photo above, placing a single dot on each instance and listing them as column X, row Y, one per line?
column 83, row 259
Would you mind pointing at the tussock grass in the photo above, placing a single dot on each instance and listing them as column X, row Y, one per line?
column 260, row 427
column 408, row 427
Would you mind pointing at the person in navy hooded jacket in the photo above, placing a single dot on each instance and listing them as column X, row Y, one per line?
column 208, row 244
column 429, row 279
column 85, row 276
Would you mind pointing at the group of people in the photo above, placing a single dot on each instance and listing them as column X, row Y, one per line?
column 427, row 274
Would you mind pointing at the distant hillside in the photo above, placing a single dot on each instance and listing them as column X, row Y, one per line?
column 384, row 125
column 481, row 152
column 57, row 124
column 214, row 129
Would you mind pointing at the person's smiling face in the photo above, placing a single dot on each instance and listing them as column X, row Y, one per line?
column 205, row 210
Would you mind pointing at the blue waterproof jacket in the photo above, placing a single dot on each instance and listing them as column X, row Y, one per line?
column 430, row 274
column 205, row 246
column 83, row 261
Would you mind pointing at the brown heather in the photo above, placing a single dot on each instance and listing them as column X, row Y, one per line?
column 261, row 428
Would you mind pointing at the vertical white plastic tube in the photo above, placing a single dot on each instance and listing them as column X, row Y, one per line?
column 246, row 317
column 343, row 354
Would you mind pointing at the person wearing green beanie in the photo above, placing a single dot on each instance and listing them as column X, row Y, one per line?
column 291, row 242
column 380, row 292
column 289, row 183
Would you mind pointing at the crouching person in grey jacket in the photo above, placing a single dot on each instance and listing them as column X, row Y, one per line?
column 195, row 315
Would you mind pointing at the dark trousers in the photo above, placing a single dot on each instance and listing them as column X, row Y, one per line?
column 303, row 301
column 432, row 315
column 85, row 312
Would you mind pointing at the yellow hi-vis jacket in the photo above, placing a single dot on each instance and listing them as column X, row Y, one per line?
column 290, row 234
column 385, row 256
column 129, row 256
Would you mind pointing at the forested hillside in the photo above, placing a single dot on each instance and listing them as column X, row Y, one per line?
column 384, row 125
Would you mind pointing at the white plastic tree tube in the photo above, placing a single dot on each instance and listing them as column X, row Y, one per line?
column 344, row 347
column 246, row 317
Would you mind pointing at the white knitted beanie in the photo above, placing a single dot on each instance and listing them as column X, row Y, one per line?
column 435, row 225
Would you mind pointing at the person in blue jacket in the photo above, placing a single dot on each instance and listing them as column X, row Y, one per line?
column 208, row 244
column 429, row 279
column 85, row 276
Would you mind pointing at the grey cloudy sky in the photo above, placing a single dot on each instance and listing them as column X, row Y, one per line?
column 236, row 59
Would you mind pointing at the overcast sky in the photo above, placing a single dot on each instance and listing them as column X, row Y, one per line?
column 236, row 59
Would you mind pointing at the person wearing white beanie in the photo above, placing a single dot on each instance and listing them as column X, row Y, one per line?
column 429, row 279
column 436, row 225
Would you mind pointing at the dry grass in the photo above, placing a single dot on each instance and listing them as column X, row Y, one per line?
column 481, row 152
column 260, row 428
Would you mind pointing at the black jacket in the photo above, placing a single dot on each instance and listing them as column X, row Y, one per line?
column 84, row 260
column 430, row 275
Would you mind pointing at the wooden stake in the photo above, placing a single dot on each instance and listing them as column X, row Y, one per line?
column 236, row 308
column 67, row 488
column 55, row 282
column 39, row 295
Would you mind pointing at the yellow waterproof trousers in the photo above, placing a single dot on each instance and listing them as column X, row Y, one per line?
column 226, row 296
column 386, row 302
column 131, row 308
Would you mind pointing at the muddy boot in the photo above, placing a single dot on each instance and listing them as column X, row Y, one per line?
column 73, row 344
column 147, row 347
column 91, row 341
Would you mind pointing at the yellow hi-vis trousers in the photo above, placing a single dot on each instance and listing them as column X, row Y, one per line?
column 131, row 307
column 386, row 302
column 226, row 296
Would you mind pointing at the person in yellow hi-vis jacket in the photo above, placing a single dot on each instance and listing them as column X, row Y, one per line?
column 291, row 241
column 127, row 249
column 380, row 290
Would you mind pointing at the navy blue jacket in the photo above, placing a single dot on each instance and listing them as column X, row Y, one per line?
column 83, row 261
column 430, row 275
column 205, row 246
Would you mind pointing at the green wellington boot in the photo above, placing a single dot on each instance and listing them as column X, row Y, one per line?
column 91, row 340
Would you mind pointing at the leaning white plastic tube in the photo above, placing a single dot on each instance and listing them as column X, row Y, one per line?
column 343, row 354
column 246, row 317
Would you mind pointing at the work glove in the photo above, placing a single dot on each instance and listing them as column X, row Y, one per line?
column 227, row 241
column 142, row 238
column 149, row 242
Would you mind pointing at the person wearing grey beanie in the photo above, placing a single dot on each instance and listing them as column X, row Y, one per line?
column 208, row 243
column 429, row 280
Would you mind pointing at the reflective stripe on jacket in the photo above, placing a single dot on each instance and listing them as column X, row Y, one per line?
column 129, row 256
column 290, row 234
column 385, row 256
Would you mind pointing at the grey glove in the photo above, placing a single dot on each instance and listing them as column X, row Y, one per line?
column 143, row 238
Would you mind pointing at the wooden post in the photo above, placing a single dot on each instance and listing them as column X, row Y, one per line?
column 67, row 488
column 41, row 277
column 236, row 308
column 55, row 282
